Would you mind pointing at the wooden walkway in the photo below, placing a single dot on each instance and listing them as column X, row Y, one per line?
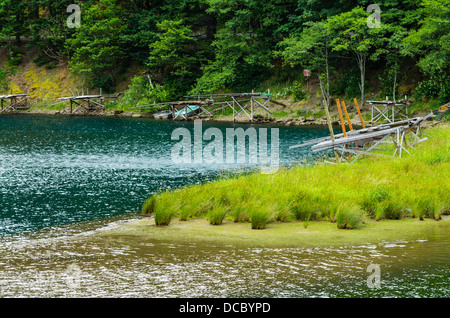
column 242, row 104
column 16, row 102
column 85, row 103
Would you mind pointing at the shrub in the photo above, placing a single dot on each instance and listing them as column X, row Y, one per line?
column 332, row 210
column 348, row 217
column 164, row 217
column 299, row 93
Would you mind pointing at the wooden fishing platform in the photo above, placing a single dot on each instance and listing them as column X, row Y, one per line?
column 242, row 104
column 85, row 103
column 367, row 141
column 16, row 102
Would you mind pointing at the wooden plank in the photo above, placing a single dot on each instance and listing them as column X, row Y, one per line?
column 350, row 139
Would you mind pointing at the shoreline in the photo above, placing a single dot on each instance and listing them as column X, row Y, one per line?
column 290, row 121
column 276, row 235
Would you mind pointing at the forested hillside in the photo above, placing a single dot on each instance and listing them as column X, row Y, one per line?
column 180, row 47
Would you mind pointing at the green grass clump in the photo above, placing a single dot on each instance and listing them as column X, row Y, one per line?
column 393, row 210
column 164, row 217
column 165, row 209
column 435, row 209
column 149, row 205
column 305, row 206
column 259, row 217
column 217, row 214
column 373, row 200
column 349, row 217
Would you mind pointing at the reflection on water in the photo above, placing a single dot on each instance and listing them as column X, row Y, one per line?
column 84, row 266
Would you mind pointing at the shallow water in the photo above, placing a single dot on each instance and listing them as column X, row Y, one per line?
column 83, row 265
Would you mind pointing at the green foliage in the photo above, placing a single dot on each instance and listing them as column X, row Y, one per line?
column 260, row 216
column 3, row 79
column 174, row 57
column 98, row 46
column 393, row 210
column 373, row 200
column 217, row 214
column 305, row 206
column 142, row 92
column 298, row 92
column 149, row 205
column 348, row 217
column 15, row 57
column 207, row 46
column 347, row 83
column 165, row 209
column 431, row 43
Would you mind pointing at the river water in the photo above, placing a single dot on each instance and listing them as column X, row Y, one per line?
column 63, row 178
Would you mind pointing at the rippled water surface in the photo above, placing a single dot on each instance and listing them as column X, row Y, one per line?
column 60, row 170
column 82, row 266
column 63, row 179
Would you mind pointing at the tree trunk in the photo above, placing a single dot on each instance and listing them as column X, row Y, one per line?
column 395, row 82
column 361, row 57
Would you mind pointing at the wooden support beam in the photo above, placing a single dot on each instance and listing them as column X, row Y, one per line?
column 346, row 115
column 341, row 118
column 359, row 113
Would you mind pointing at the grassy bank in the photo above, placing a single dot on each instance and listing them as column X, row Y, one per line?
column 348, row 196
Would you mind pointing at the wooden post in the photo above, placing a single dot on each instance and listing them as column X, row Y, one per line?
column 359, row 113
column 234, row 116
column 341, row 117
column 71, row 106
column 342, row 124
column 330, row 127
column 251, row 107
column 346, row 115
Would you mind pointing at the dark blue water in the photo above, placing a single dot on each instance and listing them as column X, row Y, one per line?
column 60, row 170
